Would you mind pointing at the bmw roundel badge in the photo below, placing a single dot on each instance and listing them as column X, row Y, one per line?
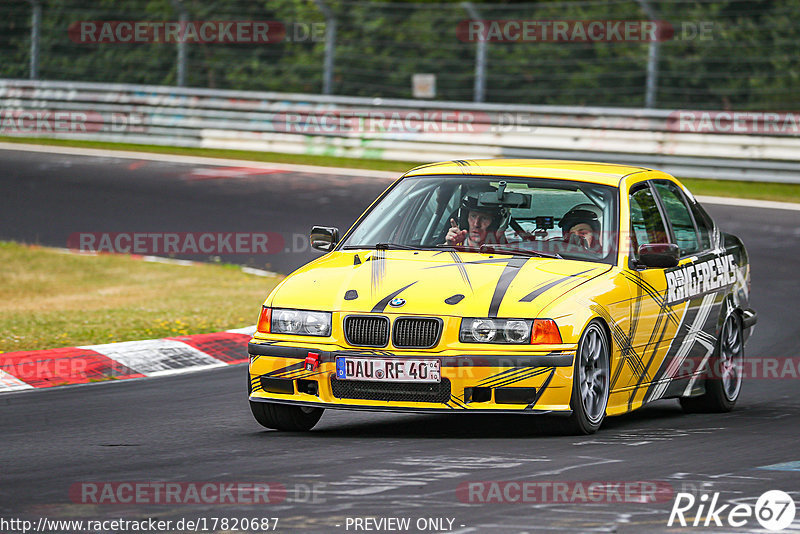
column 397, row 302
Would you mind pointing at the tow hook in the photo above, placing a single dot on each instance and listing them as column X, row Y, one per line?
column 312, row 361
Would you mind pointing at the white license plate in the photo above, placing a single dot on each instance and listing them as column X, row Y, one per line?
column 388, row 370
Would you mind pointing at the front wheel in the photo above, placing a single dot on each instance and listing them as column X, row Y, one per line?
column 590, row 382
column 285, row 417
column 725, row 376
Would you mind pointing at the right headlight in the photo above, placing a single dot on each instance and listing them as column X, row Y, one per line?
column 299, row 322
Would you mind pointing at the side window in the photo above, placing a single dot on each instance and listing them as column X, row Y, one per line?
column 679, row 217
column 704, row 225
column 423, row 219
column 646, row 224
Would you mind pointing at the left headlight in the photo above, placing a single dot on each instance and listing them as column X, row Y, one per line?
column 509, row 331
column 299, row 322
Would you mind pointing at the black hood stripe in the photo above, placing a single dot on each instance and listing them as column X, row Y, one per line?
column 506, row 277
column 381, row 305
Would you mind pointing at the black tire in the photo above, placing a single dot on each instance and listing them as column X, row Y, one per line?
column 285, row 417
column 589, row 402
column 725, row 370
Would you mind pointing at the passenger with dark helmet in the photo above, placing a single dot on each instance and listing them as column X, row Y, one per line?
column 581, row 226
column 483, row 224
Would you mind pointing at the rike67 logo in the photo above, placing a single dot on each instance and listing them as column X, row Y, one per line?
column 774, row 510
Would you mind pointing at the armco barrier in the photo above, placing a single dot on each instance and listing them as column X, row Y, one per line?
column 413, row 130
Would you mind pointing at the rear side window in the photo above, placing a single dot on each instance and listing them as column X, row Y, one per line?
column 704, row 225
column 646, row 224
column 679, row 217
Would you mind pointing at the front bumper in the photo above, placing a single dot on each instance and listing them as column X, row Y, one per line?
column 530, row 381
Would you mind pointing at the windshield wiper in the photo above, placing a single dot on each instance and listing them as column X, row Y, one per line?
column 513, row 250
column 383, row 246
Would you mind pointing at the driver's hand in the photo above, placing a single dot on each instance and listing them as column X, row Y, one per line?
column 454, row 235
column 577, row 241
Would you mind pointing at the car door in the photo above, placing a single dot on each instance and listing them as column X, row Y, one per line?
column 653, row 323
column 695, row 289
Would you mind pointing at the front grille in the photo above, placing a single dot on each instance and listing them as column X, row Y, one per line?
column 416, row 332
column 392, row 391
column 367, row 331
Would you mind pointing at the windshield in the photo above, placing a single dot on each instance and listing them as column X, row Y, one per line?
column 504, row 215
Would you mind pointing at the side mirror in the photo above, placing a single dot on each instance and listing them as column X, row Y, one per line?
column 324, row 238
column 659, row 255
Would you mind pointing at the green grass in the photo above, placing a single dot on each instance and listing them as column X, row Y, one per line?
column 756, row 190
column 52, row 299
column 723, row 188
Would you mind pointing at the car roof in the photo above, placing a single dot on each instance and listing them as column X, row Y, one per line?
column 583, row 171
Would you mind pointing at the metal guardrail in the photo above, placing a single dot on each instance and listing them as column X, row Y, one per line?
column 394, row 129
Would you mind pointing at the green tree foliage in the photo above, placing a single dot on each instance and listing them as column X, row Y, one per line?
column 724, row 54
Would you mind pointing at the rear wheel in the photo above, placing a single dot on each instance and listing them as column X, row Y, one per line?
column 285, row 417
column 590, row 383
column 725, row 380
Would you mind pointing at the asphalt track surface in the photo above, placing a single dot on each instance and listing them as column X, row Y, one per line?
column 197, row 427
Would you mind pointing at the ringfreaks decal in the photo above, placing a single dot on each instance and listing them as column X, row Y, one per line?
column 697, row 278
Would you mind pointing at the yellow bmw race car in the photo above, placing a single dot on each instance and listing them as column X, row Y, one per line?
column 573, row 289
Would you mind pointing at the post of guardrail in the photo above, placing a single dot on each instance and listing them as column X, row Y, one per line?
column 183, row 18
column 330, row 46
column 36, row 26
column 479, row 89
column 653, row 52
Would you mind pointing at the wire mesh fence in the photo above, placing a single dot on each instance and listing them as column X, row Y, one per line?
column 676, row 54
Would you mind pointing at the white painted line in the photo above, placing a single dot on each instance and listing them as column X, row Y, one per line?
column 156, row 357
column 749, row 203
column 169, row 261
column 258, row 272
column 11, row 383
column 249, row 330
column 196, row 160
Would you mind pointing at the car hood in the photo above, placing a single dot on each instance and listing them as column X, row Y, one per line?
column 442, row 282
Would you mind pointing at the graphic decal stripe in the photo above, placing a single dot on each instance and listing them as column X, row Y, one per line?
column 290, row 368
column 653, row 354
column 455, row 400
column 378, row 268
column 654, row 294
column 381, row 305
column 674, row 364
column 629, row 355
column 489, row 379
column 519, row 374
column 549, row 285
column 463, row 270
column 520, row 378
column 506, row 277
column 660, row 327
column 541, row 389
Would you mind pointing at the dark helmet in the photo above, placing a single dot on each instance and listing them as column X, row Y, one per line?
column 470, row 203
column 578, row 216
